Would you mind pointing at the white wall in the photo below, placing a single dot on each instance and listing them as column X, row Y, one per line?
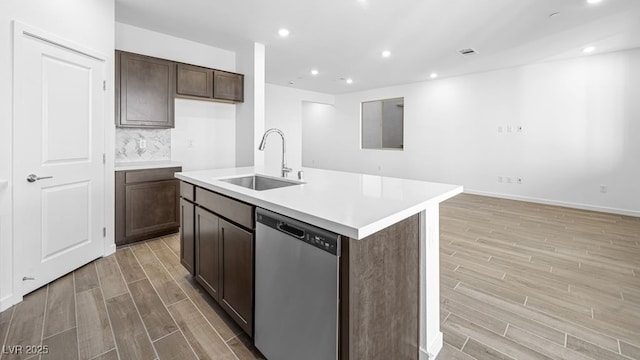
column 250, row 114
column 88, row 23
column 284, row 111
column 146, row 42
column 580, row 130
column 204, row 135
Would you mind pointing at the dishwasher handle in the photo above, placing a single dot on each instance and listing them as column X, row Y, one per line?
column 319, row 238
column 290, row 230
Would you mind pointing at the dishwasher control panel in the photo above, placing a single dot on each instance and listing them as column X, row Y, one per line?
column 327, row 244
column 316, row 237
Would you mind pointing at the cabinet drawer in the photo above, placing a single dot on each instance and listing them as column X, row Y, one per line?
column 237, row 211
column 187, row 191
column 150, row 175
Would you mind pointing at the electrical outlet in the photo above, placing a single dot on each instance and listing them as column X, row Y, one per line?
column 143, row 143
column 519, row 181
column 499, row 129
column 509, row 128
column 500, row 179
column 509, row 180
column 189, row 143
column 604, row 188
column 519, row 128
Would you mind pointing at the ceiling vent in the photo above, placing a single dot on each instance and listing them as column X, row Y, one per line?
column 467, row 52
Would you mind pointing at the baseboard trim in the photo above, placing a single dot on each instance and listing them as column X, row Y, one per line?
column 557, row 203
column 8, row 301
column 434, row 349
column 109, row 249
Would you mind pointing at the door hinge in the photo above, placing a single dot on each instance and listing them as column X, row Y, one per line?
column 104, row 158
column 104, row 232
column 104, row 85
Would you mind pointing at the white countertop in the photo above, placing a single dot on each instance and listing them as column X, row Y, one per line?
column 142, row 165
column 355, row 205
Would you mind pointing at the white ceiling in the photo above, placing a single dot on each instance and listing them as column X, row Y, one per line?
column 345, row 38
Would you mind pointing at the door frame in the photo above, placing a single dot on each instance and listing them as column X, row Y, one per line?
column 108, row 247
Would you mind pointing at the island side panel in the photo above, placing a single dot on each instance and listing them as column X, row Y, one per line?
column 380, row 294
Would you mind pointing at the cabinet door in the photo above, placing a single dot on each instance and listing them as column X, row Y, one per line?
column 194, row 81
column 151, row 208
column 144, row 91
column 187, row 235
column 236, row 293
column 207, row 252
column 228, row 86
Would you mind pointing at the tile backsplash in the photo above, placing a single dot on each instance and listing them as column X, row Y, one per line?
column 157, row 144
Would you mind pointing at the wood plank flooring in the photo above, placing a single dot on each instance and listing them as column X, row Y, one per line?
column 529, row 281
column 518, row 281
column 138, row 303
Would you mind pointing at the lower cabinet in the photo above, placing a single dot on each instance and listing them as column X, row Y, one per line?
column 187, row 235
column 208, row 252
column 222, row 250
column 146, row 204
column 236, row 267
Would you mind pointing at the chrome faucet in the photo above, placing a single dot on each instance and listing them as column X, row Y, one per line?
column 285, row 170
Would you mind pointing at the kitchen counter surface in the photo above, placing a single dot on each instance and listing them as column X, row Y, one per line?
column 351, row 204
column 143, row 165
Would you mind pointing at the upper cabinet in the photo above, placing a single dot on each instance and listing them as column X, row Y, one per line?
column 145, row 89
column 194, row 81
column 209, row 84
column 228, row 86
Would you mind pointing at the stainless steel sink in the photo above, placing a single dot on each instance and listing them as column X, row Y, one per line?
column 260, row 183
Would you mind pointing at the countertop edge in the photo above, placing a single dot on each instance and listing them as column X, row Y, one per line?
column 401, row 215
column 143, row 165
column 342, row 229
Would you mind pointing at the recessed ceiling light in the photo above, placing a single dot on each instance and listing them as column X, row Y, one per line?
column 386, row 53
column 588, row 49
column 314, row 72
column 433, row 75
column 349, row 81
column 593, row 1
column 283, row 32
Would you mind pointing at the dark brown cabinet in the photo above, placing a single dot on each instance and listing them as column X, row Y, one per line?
column 146, row 204
column 236, row 285
column 194, row 81
column 187, row 227
column 228, row 86
column 223, row 252
column 208, row 84
column 145, row 88
column 208, row 252
column 187, row 235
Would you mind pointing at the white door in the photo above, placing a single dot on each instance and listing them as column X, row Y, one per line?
column 58, row 138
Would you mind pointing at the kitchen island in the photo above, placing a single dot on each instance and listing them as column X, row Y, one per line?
column 389, row 269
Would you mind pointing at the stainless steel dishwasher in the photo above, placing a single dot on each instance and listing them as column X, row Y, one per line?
column 296, row 289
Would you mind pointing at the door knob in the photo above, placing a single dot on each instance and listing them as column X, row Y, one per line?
column 33, row 178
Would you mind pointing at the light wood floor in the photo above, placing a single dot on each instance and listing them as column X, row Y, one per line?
column 529, row 281
column 518, row 281
column 139, row 303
